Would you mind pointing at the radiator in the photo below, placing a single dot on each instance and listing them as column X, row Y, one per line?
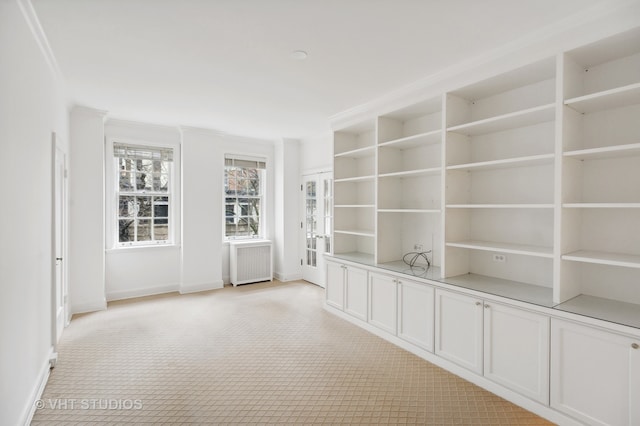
column 250, row 261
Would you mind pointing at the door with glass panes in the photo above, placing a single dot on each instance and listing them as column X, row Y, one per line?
column 316, row 225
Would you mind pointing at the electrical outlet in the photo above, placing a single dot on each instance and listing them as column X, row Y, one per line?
column 418, row 247
column 501, row 258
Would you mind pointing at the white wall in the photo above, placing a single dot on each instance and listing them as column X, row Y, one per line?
column 31, row 107
column 316, row 154
column 202, row 166
column 287, row 208
column 140, row 271
column 86, row 212
column 205, row 255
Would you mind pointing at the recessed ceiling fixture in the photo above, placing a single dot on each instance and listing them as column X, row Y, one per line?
column 299, row 54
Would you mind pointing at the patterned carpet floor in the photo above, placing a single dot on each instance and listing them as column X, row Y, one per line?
column 264, row 353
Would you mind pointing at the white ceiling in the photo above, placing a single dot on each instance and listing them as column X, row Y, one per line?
column 226, row 64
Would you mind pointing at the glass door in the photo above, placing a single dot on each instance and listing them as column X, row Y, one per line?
column 316, row 225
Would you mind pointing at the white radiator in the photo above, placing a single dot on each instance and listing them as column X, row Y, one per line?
column 250, row 261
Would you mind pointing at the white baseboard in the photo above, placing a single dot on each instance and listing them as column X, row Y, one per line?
column 43, row 376
column 197, row 287
column 81, row 308
column 141, row 292
column 286, row 277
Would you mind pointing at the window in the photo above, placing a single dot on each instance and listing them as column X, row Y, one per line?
column 143, row 194
column 244, row 192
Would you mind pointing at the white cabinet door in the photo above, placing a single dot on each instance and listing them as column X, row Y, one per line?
column 382, row 302
column 458, row 334
column 335, row 285
column 416, row 313
column 516, row 350
column 595, row 375
column 356, row 293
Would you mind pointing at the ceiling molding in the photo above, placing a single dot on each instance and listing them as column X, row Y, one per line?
column 89, row 110
column 33, row 22
column 537, row 45
column 114, row 121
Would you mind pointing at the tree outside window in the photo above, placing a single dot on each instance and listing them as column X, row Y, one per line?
column 243, row 183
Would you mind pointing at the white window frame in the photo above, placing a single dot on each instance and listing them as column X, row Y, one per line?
column 242, row 160
column 113, row 192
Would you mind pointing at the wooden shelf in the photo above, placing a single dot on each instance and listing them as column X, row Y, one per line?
column 522, row 249
column 357, row 257
column 354, row 206
column 532, row 160
column 499, row 206
column 408, row 210
column 415, row 141
column 615, row 151
column 527, row 117
column 358, row 232
column 433, row 171
column 516, row 290
column 604, row 309
column 355, row 179
column 601, row 205
column 421, row 271
column 604, row 258
column 608, row 99
column 366, row 151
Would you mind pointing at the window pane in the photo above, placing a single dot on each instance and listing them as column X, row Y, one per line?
column 160, row 207
column 157, row 166
column 254, row 225
column 126, row 231
column 144, row 206
column 253, row 186
column 125, row 164
column 127, row 206
column 254, row 207
column 161, row 232
column 126, row 181
column 243, row 227
column 144, row 230
column 160, row 182
column 311, row 207
column 145, row 166
column 311, row 189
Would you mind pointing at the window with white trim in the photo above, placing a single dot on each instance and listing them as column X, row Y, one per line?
column 143, row 194
column 244, row 180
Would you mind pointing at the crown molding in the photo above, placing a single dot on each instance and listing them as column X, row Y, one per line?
column 89, row 110
column 115, row 121
column 37, row 31
column 544, row 42
column 200, row 131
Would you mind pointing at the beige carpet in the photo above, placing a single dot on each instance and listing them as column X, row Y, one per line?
column 257, row 354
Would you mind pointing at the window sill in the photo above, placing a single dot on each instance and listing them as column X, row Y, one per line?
column 133, row 249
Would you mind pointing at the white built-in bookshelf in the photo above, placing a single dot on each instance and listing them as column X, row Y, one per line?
column 525, row 185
